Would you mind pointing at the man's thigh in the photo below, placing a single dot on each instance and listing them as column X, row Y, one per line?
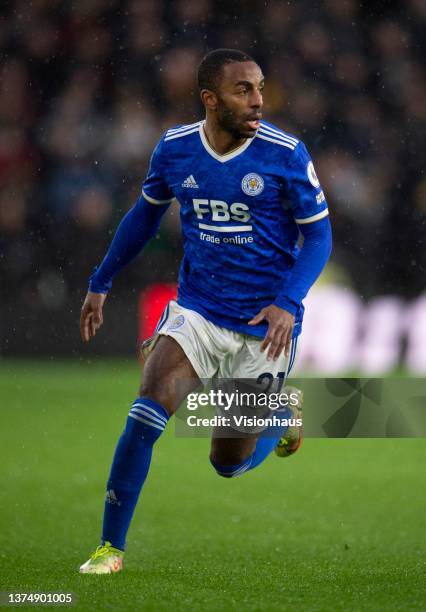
column 253, row 367
column 205, row 344
column 168, row 375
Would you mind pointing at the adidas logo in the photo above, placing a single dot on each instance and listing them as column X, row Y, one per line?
column 111, row 498
column 190, row 182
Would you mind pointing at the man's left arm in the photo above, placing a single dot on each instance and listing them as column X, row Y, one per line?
column 311, row 214
column 281, row 314
column 314, row 254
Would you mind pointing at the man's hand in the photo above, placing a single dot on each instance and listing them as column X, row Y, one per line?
column 280, row 330
column 91, row 317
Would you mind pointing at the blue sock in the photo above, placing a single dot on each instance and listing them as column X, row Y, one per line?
column 268, row 439
column 132, row 458
column 264, row 446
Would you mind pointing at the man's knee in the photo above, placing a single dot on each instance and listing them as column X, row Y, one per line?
column 168, row 375
column 158, row 393
column 227, row 453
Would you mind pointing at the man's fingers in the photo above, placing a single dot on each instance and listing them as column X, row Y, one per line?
column 95, row 321
column 89, row 324
column 267, row 340
column 84, row 322
column 257, row 319
column 92, row 327
column 278, row 340
column 86, row 327
column 277, row 346
column 91, row 317
column 97, row 318
column 280, row 326
column 288, row 342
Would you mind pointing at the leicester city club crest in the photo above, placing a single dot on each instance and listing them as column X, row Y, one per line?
column 252, row 184
column 176, row 323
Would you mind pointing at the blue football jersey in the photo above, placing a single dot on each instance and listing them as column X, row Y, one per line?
column 240, row 214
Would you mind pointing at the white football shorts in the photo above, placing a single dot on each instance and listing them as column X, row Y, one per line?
column 217, row 352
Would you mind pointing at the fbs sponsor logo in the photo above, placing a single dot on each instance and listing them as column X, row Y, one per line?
column 111, row 498
column 222, row 212
column 190, row 182
column 252, row 184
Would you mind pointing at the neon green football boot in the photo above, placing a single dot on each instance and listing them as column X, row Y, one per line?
column 292, row 439
column 105, row 560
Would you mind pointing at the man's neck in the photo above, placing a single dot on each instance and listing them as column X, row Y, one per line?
column 221, row 141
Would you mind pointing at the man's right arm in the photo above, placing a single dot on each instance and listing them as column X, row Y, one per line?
column 135, row 230
column 139, row 224
column 137, row 227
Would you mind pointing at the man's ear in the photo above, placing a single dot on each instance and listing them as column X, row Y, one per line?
column 209, row 99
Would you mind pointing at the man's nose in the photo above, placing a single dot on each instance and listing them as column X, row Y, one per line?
column 256, row 99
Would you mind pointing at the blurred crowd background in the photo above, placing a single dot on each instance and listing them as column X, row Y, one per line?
column 88, row 86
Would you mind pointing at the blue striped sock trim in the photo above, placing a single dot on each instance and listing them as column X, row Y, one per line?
column 146, row 421
column 158, row 408
column 233, row 470
column 147, row 417
column 150, row 412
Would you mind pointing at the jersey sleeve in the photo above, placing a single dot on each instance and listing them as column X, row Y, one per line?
column 303, row 188
column 155, row 188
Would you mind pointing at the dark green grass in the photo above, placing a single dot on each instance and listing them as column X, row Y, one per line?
column 339, row 526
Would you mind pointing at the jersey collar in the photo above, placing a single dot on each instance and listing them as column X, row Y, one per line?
column 227, row 156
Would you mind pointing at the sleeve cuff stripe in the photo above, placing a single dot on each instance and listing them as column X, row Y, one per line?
column 317, row 217
column 153, row 201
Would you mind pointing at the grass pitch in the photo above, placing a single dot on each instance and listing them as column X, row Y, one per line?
column 339, row 526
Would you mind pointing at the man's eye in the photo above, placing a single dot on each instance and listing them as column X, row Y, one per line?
column 242, row 91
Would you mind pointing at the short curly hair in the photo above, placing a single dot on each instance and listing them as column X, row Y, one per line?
column 210, row 68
